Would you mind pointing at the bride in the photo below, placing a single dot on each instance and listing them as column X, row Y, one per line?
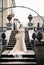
column 20, row 46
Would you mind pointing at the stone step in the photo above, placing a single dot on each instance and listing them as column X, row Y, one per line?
column 17, row 59
column 11, row 47
column 15, row 43
column 26, row 41
column 12, row 44
column 12, row 41
column 15, row 40
column 31, row 55
column 28, row 54
column 18, row 63
column 29, row 48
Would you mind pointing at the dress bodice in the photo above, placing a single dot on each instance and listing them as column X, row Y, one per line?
column 21, row 30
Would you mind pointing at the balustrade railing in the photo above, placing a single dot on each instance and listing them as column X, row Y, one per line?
column 36, row 28
column 3, row 29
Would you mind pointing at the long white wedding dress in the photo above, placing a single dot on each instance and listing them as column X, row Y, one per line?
column 20, row 46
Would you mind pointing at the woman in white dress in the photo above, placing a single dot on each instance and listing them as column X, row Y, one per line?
column 20, row 46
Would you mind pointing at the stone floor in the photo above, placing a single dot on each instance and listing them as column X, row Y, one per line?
column 19, row 52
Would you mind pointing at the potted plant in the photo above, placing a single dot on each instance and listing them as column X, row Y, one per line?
column 39, row 36
column 3, row 36
column 34, row 36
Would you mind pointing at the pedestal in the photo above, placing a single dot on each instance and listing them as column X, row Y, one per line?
column 30, row 24
column 9, row 26
column 4, row 45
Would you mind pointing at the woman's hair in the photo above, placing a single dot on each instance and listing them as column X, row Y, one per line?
column 20, row 26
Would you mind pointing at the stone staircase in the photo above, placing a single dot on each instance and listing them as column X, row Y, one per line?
column 27, row 40
column 22, row 59
column 12, row 41
column 27, row 58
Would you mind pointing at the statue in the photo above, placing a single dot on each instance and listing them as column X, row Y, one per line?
column 30, row 18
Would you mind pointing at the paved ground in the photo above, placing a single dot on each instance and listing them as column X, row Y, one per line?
column 40, row 55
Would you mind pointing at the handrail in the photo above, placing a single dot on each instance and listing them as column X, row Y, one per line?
column 31, row 28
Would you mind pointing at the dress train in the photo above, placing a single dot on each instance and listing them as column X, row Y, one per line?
column 20, row 46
